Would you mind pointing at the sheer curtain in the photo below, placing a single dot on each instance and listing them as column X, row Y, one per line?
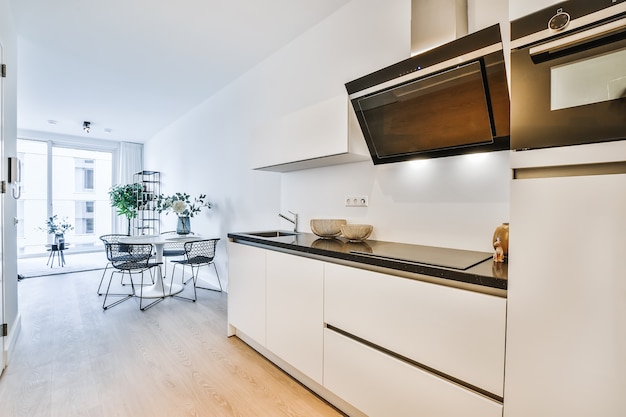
column 130, row 161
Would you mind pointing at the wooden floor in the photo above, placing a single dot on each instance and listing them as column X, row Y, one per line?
column 74, row 359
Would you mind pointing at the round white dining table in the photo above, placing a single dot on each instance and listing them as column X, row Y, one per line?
column 159, row 287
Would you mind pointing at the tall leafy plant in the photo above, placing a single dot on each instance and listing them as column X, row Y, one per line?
column 125, row 199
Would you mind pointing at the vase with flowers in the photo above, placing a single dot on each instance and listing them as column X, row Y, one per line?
column 57, row 227
column 183, row 206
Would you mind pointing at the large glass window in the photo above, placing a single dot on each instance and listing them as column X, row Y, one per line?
column 32, row 206
column 75, row 188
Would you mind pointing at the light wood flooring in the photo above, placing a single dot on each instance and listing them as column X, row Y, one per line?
column 74, row 359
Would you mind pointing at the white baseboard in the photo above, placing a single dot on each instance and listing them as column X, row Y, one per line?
column 11, row 340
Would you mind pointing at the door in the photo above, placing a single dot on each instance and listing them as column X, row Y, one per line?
column 2, row 197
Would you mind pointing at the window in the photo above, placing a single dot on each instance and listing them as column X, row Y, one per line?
column 87, row 179
column 59, row 178
column 84, row 217
column 84, row 174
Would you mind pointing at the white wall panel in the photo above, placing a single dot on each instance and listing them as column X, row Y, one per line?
column 520, row 8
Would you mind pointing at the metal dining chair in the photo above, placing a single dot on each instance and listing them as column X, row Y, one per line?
column 110, row 238
column 126, row 258
column 198, row 253
column 172, row 249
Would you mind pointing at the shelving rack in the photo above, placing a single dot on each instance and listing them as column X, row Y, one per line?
column 148, row 221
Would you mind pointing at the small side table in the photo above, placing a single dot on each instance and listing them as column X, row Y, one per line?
column 56, row 250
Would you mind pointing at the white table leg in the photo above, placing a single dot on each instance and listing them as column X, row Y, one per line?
column 159, row 287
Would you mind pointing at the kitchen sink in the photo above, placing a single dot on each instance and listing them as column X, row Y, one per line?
column 272, row 233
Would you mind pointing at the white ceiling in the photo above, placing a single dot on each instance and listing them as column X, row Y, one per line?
column 135, row 66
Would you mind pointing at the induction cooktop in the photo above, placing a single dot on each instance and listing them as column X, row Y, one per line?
column 428, row 255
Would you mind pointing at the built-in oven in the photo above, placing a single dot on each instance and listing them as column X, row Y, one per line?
column 568, row 75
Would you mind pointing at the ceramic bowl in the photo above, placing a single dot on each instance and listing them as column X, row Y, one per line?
column 327, row 228
column 356, row 232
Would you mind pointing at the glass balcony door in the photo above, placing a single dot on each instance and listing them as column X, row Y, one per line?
column 70, row 183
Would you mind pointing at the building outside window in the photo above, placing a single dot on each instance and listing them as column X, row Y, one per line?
column 75, row 185
column 84, row 224
column 84, row 174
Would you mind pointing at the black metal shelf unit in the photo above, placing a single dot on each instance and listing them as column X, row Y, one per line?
column 148, row 221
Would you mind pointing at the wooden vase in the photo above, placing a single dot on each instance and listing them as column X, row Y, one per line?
column 501, row 235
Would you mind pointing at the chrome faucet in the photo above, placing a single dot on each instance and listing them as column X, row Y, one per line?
column 294, row 220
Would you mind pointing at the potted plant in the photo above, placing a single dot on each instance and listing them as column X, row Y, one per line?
column 183, row 206
column 125, row 198
column 57, row 227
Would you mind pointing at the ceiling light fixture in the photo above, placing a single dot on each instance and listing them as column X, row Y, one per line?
column 86, row 126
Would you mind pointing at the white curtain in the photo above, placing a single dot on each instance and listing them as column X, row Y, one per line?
column 130, row 161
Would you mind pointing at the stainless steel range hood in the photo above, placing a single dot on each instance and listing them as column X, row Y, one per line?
column 450, row 100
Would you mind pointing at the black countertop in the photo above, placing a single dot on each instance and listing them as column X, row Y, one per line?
column 468, row 267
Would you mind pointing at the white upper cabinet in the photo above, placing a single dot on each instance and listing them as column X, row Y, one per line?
column 326, row 133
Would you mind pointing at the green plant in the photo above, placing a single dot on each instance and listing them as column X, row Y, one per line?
column 55, row 226
column 125, row 198
column 181, row 204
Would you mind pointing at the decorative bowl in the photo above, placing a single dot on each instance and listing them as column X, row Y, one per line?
column 356, row 232
column 327, row 228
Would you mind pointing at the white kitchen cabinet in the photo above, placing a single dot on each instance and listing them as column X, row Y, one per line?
column 457, row 332
column 246, row 290
column 326, row 133
column 566, row 330
column 295, row 319
column 381, row 386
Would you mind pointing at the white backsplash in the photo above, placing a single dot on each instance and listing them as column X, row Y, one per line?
column 453, row 202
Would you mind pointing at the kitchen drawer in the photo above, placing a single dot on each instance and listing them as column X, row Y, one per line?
column 381, row 385
column 458, row 333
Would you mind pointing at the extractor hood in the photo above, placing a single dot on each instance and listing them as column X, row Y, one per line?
column 450, row 100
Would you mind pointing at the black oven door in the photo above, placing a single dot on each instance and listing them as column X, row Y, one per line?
column 570, row 90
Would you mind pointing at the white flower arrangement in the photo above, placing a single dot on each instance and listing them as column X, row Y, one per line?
column 54, row 225
column 181, row 204
column 179, row 207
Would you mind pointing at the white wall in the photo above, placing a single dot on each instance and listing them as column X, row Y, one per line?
column 207, row 149
column 9, row 133
column 455, row 202
column 520, row 8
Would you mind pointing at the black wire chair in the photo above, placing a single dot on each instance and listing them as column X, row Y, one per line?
column 126, row 258
column 198, row 253
column 172, row 249
column 111, row 238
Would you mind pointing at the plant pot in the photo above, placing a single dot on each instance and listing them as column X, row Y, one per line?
column 59, row 238
column 183, row 227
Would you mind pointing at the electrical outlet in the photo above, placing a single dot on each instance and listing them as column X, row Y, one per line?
column 358, row 201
